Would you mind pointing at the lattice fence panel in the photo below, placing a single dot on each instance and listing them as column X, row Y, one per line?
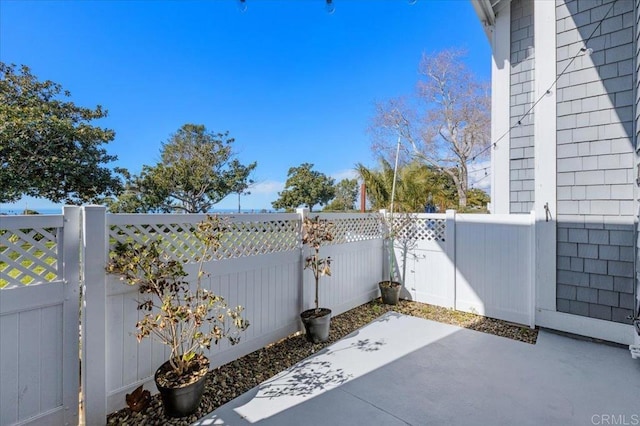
column 419, row 228
column 245, row 238
column 352, row 229
column 179, row 240
column 260, row 237
column 28, row 256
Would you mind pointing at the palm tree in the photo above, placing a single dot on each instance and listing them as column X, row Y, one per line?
column 416, row 183
column 378, row 184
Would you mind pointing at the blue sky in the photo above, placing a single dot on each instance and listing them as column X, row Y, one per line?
column 290, row 82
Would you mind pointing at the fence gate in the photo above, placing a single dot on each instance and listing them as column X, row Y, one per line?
column 39, row 312
column 477, row 263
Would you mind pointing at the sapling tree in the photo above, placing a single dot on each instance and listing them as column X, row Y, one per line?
column 315, row 232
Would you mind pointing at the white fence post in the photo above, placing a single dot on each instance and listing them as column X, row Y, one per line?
column 532, row 272
column 71, row 275
column 94, row 257
column 450, row 251
column 306, row 298
column 386, row 249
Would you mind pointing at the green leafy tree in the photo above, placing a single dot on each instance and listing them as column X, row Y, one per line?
column 128, row 201
column 346, row 196
column 241, row 180
column 196, row 171
column 132, row 200
column 305, row 187
column 48, row 147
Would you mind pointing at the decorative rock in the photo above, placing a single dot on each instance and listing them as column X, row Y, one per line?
column 226, row 382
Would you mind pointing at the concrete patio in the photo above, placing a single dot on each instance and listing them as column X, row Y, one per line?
column 400, row 370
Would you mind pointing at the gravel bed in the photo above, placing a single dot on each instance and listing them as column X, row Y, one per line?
column 232, row 380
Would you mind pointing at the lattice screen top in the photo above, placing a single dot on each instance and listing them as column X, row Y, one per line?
column 353, row 228
column 245, row 238
column 419, row 228
column 28, row 256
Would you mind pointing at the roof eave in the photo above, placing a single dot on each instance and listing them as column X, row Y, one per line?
column 486, row 14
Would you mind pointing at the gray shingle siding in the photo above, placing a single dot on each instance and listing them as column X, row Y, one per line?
column 521, row 191
column 596, row 159
column 627, row 99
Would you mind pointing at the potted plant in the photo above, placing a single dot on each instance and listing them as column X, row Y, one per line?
column 186, row 319
column 315, row 232
column 395, row 228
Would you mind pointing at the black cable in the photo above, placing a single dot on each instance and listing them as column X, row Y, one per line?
column 483, row 177
column 479, row 170
column 519, row 122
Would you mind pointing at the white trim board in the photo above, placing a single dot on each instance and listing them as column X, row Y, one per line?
column 500, row 111
column 545, row 154
column 585, row 326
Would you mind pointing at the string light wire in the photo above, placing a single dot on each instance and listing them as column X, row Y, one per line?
column 582, row 50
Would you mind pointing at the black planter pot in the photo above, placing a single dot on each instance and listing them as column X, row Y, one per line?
column 317, row 325
column 182, row 401
column 390, row 292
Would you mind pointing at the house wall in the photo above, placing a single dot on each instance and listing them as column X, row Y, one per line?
column 521, row 156
column 596, row 160
column 637, row 130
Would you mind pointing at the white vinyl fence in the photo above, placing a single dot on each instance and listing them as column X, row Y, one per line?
column 39, row 312
column 259, row 267
column 476, row 263
column 495, row 258
column 356, row 269
column 471, row 262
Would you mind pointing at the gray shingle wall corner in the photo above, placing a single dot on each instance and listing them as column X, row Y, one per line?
column 521, row 157
column 631, row 303
column 596, row 159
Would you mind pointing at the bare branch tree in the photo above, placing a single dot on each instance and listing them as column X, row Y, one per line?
column 394, row 119
column 447, row 126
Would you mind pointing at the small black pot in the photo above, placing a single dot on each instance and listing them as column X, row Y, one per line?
column 390, row 292
column 183, row 401
column 317, row 325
